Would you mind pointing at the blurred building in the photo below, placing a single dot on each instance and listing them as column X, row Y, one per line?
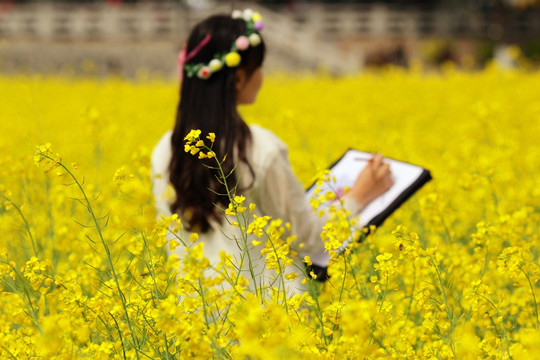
column 122, row 36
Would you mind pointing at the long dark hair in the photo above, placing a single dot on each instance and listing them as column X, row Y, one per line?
column 210, row 105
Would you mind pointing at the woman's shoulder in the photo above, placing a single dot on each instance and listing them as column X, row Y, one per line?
column 266, row 147
column 161, row 155
column 266, row 140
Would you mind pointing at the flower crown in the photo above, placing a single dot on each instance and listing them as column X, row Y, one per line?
column 231, row 58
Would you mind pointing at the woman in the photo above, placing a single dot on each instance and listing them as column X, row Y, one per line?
column 222, row 68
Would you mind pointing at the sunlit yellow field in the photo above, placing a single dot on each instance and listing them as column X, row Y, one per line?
column 454, row 273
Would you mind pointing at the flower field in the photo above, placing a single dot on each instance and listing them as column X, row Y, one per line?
column 453, row 274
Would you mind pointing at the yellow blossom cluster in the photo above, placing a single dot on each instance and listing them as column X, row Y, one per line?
column 454, row 273
column 194, row 144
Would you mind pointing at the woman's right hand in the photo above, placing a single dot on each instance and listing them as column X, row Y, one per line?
column 372, row 181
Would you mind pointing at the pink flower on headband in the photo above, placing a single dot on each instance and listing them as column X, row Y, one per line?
column 242, row 43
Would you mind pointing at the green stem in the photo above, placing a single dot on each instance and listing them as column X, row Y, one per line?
column 447, row 308
column 353, row 272
column 533, row 295
column 318, row 313
column 150, row 266
column 106, row 247
column 281, row 276
column 240, row 223
column 502, row 323
column 341, row 293
column 54, row 255
column 486, row 261
column 29, row 304
column 379, row 311
column 120, row 335
column 25, row 224
column 9, row 352
column 205, row 313
column 412, row 297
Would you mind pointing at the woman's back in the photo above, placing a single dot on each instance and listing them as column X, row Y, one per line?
column 272, row 192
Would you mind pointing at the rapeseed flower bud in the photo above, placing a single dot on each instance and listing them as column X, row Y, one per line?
column 192, row 136
column 257, row 225
column 46, row 159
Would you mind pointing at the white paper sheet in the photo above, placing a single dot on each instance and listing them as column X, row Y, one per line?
column 347, row 170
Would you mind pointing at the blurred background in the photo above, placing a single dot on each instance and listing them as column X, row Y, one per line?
column 142, row 37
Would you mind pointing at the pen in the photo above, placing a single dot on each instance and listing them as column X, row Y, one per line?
column 362, row 158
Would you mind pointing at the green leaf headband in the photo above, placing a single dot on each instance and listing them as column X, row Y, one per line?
column 232, row 58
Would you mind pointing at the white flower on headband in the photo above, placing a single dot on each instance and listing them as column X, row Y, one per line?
column 248, row 14
column 254, row 39
column 236, row 14
column 204, row 72
column 215, row 65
